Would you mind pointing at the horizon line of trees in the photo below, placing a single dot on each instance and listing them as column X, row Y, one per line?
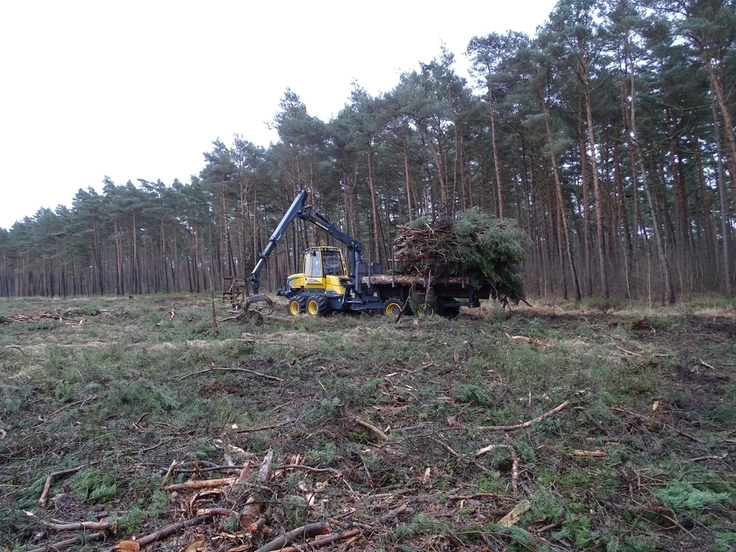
column 608, row 138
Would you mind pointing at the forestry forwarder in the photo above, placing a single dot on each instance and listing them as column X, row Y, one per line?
column 329, row 283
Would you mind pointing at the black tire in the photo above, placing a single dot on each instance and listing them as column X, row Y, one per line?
column 451, row 312
column 317, row 305
column 324, row 305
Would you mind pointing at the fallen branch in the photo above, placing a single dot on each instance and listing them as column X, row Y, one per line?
column 171, row 529
column 81, row 526
column 489, row 448
column 590, row 453
column 659, row 355
column 43, row 500
column 447, row 447
column 213, row 468
column 512, row 518
column 642, row 417
column 265, row 428
column 711, row 457
column 591, row 419
column 476, row 496
column 627, row 351
column 251, row 511
column 514, row 462
column 406, row 303
column 309, row 469
column 225, row 512
column 319, row 543
column 74, row 541
column 391, row 514
column 305, row 531
column 385, row 518
column 381, row 435
column 71, row 405
column 13, row 347
column 168, row 472
column 203, row 484
column 530, row 340
column 260, row 522
column 538, row 419
column 514, row 470
column 233, row 369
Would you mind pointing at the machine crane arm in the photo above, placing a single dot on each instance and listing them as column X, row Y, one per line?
column 292, row 212
column 298, row 209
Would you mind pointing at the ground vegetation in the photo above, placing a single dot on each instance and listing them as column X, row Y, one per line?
column 130, row 424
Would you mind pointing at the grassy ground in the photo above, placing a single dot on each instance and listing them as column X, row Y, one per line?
column 389, row 430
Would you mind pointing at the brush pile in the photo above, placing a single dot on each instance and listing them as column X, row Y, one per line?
column 486, row 250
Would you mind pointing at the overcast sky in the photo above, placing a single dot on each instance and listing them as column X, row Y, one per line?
column 141, row 89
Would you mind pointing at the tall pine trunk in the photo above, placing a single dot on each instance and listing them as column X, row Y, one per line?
column 560, row 205
column 597, row 191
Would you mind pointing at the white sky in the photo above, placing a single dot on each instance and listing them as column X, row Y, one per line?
column 141, row 88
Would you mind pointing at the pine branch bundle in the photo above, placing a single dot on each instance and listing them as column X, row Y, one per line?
column 486, row 250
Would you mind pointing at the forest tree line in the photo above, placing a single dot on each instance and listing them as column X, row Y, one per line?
column 608, row 137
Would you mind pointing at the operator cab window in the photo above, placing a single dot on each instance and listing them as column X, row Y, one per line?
column 333, row 263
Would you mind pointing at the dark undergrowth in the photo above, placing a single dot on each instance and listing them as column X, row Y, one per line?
column 549, row 428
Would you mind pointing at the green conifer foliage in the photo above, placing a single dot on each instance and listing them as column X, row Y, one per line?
column 487, row 250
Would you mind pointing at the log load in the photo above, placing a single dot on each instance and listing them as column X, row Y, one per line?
column 474, row 247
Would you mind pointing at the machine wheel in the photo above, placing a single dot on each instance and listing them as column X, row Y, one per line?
column 451, row 312
column 392, row 308
column 317, row 305
column 324, row 305
column 448, row 309
column 296, row 306
column 425, row 309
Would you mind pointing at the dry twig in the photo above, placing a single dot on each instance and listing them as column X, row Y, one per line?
column 13, row 347
column 590, row 453
column 538, row 419
column 591, row 419
column 309, row 469
column 233, row 369
column 645, row 418
column 265, row 428
column 711, row 457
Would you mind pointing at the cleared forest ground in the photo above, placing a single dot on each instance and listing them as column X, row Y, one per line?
column 561, row 427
